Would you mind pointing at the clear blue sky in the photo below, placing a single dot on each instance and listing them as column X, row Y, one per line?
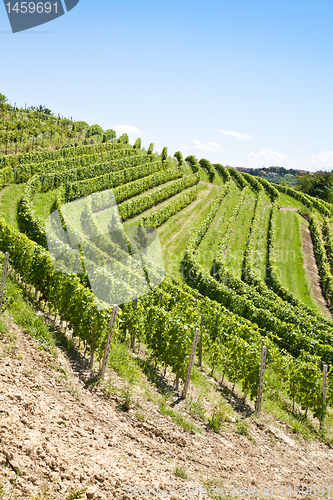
column 238, row 82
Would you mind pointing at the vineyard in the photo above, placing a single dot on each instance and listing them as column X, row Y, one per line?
column 232, row 248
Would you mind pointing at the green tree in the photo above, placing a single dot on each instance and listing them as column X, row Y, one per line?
column 319, row 184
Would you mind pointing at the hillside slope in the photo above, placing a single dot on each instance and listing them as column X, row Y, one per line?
column 64, row 435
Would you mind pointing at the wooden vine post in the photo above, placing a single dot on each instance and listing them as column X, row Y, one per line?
column 262, row 375
column 91, row 363
column 325, row 369
column 108, row 342
column 133, row 332
column 3, row 278
column 190, row 363
column 200, row 342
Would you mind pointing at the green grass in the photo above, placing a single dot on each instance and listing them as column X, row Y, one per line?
column 287, row 201
column 20, row 310
column 180, row 472
column 278, row 404
column 103, row 217
column 290, row 258
column 206, row 250
column 43, row 203
column 175, row 233
column 121, row 360
column 260, row 247
column 239, row 237
column 10, row 197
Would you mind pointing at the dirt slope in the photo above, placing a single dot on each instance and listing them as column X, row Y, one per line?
column 312, row 271
column 61, row 436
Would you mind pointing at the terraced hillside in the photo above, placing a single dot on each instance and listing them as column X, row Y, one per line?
column 245, row 262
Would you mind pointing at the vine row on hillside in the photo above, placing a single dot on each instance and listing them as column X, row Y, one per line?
column 310, row 202
column 238, row 178
column 278, row 291
column 244, row 301
column 328, row 239
column 77, row 168
column 231, row 344
column 157, row 217
column 137, row 205
column 223, row 236
column 307, row 320
column 83, row 188
column 326, row 278
column 60, row 154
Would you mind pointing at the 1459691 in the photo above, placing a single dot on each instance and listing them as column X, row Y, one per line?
column 32, row 7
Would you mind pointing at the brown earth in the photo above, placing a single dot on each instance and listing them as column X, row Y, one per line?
column 311, row 268
column 62, row 434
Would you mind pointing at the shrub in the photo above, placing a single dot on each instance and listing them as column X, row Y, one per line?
column 208, row 167
column 137, row 144
column 94, row 130
column 193, row 162
column 79, row 126
column 110, row 134
column 164, row 153
column 179, row 158
column 123, row 139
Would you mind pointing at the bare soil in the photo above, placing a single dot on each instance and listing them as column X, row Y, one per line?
column 311, row 268
column 62, row 434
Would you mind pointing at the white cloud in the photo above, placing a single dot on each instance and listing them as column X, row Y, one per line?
column 128, row 129
column 270, row 156
column 322, row 161
column 210, row 147
column 237, row 135
column 300, row 149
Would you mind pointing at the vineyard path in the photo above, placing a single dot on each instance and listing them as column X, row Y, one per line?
column 311, row 268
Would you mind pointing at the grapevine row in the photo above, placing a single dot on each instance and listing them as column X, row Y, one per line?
column 230, row 343
column 240, row 298
column 326, row 277
column 223, row 236
column 79, row 189
column 328, row 238
column 309, row 201
column 60, row 154
column 77, row 168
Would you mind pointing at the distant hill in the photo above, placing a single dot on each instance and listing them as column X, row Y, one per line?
column 277, row 175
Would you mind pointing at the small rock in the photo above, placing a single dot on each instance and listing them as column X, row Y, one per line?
column 91, row 492
column 66, row 475
column 25, row 421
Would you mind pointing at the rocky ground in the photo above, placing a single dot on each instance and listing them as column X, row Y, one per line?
column 59, row 434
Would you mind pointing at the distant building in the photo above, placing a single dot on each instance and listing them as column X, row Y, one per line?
column 244, row 169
